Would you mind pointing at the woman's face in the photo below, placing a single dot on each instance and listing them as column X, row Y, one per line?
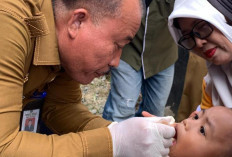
column 216, row 48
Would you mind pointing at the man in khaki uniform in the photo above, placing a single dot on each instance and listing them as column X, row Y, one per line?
column 42, row 52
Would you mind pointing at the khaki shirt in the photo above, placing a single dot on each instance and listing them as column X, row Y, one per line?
column 29, row 62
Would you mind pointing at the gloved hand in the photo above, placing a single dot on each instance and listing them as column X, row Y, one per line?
column 141, row 137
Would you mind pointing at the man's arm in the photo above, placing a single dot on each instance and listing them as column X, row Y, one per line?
column 15, row 45
column 63, row 111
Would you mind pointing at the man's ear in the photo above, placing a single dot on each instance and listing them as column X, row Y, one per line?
column 76, row 20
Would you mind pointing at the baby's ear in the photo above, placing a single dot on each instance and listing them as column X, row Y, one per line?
column 193, row 114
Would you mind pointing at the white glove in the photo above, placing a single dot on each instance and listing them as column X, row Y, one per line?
column 142, row 137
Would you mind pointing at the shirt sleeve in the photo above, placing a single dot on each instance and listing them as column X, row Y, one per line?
column 14, row 49
column 206, row 101
column 63, row 111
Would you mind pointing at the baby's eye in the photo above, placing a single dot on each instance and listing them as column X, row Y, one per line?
column 196, row 116
column 202, row 130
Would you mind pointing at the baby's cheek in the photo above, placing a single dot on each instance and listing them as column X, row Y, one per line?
column 172, row 151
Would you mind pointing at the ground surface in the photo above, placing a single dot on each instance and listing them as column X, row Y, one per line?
column 94, row 95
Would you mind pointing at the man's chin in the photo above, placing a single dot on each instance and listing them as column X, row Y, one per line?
column 84, row 80
column 85, row 83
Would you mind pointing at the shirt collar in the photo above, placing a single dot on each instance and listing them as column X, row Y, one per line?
column 46, row 48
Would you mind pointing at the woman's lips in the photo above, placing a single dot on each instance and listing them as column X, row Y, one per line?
column 210, row 52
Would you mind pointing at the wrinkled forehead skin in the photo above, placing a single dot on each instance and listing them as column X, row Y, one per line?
column 199, row 9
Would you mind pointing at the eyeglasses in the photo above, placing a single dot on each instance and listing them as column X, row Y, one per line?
column 202, row 30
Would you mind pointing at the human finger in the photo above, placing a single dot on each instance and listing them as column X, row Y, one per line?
column 166, row 131
column 164, row 152
column 147, row 114
column 167, row 143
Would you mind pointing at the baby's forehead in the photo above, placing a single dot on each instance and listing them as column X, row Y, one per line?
column 219, row 113
column 220, row 110
column 220, row 117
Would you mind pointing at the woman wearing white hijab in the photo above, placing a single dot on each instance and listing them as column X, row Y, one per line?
column 200, row 26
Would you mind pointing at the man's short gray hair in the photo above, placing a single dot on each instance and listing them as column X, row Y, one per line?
column 97, row 8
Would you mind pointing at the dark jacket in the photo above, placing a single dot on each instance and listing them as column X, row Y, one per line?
column 160, row 50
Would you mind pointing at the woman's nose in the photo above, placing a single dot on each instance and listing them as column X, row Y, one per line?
column 200, row 42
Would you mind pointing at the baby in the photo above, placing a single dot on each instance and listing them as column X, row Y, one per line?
column 207, row 133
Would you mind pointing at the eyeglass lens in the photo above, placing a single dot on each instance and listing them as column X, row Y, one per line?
column 188, row 42
column 201, row 30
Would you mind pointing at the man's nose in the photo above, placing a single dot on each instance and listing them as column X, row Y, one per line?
column 116, row 59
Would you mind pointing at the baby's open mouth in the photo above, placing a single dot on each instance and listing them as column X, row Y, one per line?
column 175, row 136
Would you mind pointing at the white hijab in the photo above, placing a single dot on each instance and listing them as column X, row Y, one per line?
column 219, row 78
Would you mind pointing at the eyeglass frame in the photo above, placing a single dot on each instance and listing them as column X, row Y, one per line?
column 193, row 34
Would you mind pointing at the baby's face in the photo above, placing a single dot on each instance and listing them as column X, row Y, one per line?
column 203, row 134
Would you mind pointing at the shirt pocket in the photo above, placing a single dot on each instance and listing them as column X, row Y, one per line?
column 165, row 7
